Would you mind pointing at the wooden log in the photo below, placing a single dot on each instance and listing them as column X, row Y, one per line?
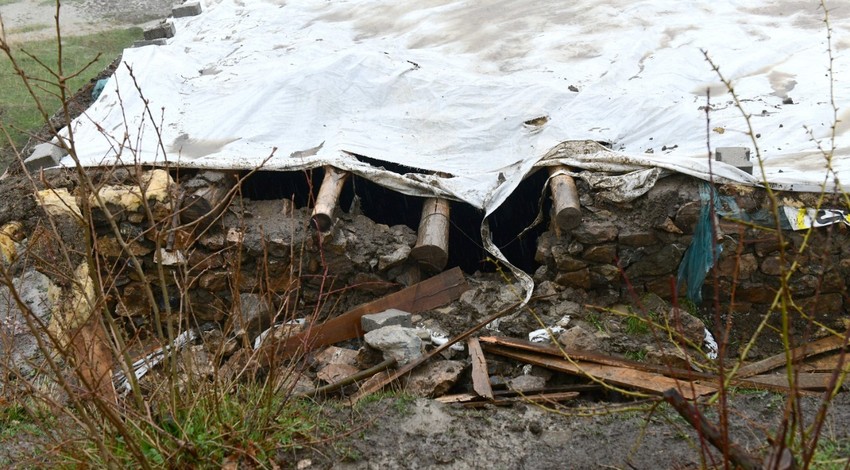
column 428, row 294
column 814, row 381
column 620, row 376
column 830, row 343
column 202, row 205
column 432, row 242
column 363, row 374
column 565, row 200
column 328, row 197
column 480, row 376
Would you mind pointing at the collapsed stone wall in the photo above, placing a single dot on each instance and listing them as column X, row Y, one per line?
column 622, row 252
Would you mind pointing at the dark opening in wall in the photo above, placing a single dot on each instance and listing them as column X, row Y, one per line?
column 388, row 207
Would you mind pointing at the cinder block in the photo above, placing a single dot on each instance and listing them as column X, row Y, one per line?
column 44, row 155
column 153, row 42
column 386, row 318
column 186, row 9
column 738, row 157
column 163, row 30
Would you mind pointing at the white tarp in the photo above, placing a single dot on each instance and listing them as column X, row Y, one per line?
column 457, row 87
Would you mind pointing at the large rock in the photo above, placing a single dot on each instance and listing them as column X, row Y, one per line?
column 389, row 317
column 686, row 325
column 434, row 379
column 254, row 315
column 396, row 342
column 19, row 350
column 526, row 383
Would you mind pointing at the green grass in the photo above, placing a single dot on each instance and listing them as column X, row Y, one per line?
column 635, row 325
column 18, row 112
column 832, row 455
column 638, row 355
column 246, row 424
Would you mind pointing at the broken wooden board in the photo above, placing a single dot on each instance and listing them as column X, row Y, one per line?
column 480, row 377
column 827, row 363
column 823, row 345
column 537, row 348
column 428, row 294
column 474, row 401
column 648, row 382
column 815, row 382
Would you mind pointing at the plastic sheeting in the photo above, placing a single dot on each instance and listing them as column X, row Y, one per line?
column 483, row 91
column 479, row 90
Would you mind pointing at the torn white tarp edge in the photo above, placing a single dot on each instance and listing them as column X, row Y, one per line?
column 143, row 365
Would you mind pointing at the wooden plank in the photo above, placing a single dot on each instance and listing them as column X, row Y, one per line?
column 827, row 363
column 620, row 376
column 817, row 381
column 372, row 388
column 595, row 358
column 480, row 376
column 428, row 294
column 823, row 345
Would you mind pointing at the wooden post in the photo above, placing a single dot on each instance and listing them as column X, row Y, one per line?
column 567, row 209
column 328, row 196
column 205, row 203
column 432, row 242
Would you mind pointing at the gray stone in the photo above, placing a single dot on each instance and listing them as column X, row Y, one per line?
column 435, row 379
column 163, row 30
column 19, row 351
column 579, row 339
column 255, row 315
column 686, row 325
column 44, row 155
column 186, row 9
column 389, row 317
column 526, row 383
column 396, row 258
column 593, row 232
column 396, row 342
column 152, row 42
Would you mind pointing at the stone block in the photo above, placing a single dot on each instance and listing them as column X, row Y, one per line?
column 396, row 342
column 163, row 30
column 592, row 232
column 44, row 155
column 739, row 157
column 435, row 379
column 186, row 9
column 386, row 318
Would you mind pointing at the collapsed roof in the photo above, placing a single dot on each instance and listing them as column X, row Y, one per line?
column 470, row 96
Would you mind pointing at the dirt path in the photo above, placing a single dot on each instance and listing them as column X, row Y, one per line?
column 25, row 20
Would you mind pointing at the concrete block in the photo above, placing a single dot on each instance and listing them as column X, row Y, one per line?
column 738, row 157
column 163, row 30
column 386, row 318
column 152, row 42
column 44, row 155
column 186, row 9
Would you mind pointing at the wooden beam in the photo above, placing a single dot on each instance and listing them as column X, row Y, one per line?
column 830, row 343
column 432, row 242
column 565, row 199
column 428, row 294
column 328, row 197
column 480, row 376
column 812, row 381
column 620, row 376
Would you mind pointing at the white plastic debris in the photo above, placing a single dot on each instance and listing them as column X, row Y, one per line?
column 710, row 345
column 564, row 321
column 145, row 364
column 439, row 339
column 542, row 335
